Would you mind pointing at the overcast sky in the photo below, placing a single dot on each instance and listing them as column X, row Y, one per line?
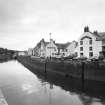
column 24, row 22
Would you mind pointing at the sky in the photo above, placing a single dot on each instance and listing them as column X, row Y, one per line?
column 23, row 23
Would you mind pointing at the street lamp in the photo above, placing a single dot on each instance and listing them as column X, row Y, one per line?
column 50, row 45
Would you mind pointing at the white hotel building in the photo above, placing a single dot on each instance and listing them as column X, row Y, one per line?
column 91, row 44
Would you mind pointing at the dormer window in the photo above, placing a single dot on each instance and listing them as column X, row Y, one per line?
column 81, row 42
column 90, row 41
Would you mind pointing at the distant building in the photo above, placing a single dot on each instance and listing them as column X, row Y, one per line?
column 52, row 49
column 40, row 48
column 30, row 51
column 91, row 44
column 70, row 48
column 21, row 53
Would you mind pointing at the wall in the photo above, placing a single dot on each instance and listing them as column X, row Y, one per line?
column 96, row 45
column 71, row 48
column 51, row 49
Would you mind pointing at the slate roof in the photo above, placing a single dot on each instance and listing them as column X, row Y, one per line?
column 59, row 45
column 102, row 35
column 99, row 35
column 62, row 45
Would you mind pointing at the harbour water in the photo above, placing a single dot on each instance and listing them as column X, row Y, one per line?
column 19, row 86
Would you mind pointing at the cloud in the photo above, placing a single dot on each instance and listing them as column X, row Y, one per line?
column 62, row 17
column 10, row 10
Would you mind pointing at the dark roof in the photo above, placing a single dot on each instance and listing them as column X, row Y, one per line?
column 39, row 43
column 102, row 35
column 59, row 45
column 99, row 35
column 62, row 45
column 46, row 43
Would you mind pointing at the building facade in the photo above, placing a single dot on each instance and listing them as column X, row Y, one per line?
column 40, row 48
column 90, row 44
column 51, row 49
column 30, row 51
column 70, row 49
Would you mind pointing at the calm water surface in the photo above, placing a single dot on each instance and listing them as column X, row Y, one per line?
column 21, row 87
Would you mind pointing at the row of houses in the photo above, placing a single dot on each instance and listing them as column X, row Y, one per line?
column 89, row 44
column 52, row 49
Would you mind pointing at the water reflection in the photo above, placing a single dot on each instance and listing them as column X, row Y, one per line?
column 5, row 60
column 92, row 94
column 21, row 87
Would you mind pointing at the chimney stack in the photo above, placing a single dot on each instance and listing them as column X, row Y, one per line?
column 86, row 29
column 95, row 32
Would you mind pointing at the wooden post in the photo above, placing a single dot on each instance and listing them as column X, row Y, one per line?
column 82, row 75
column 45, row 66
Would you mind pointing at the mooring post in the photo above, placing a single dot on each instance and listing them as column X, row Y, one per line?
column 97, row 64
column 82, row 74
column 45, row 66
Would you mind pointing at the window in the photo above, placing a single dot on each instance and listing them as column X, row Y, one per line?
column 63, row 54
column 103, row 48
column 81, row 42
column 76, row 54
column 81, row 54
column 81, row 48
column 90, row 54
column 90, row 48
column 66, row 50
column 54, row 49
column 90, row 41
column 53, row 53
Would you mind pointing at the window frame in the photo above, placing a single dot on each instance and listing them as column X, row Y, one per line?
column 81, row 42
column 90, row 41
column 90, row 48
column 81, row 48
column 81, row 54
column 90, row 54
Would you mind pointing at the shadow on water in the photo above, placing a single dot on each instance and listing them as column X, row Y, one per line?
column 93, row 89
column 5, row 60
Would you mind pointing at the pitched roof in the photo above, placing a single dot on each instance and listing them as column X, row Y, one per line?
column 62, row 45
column 102, row 35
column 99, row 35
column 46, row 43
column 39, row 43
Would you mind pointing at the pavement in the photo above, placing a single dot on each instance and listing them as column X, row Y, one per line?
column 2, row 99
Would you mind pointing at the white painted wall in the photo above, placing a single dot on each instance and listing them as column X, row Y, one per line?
column 30, row 51
column 71, row 48
column 96, row 45
column 21, row 53
column 51, row 49
column 43, row 50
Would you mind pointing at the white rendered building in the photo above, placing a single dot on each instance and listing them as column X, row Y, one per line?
column 91, row 44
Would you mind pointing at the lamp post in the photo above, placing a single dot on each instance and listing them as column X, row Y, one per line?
column 50, row 45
